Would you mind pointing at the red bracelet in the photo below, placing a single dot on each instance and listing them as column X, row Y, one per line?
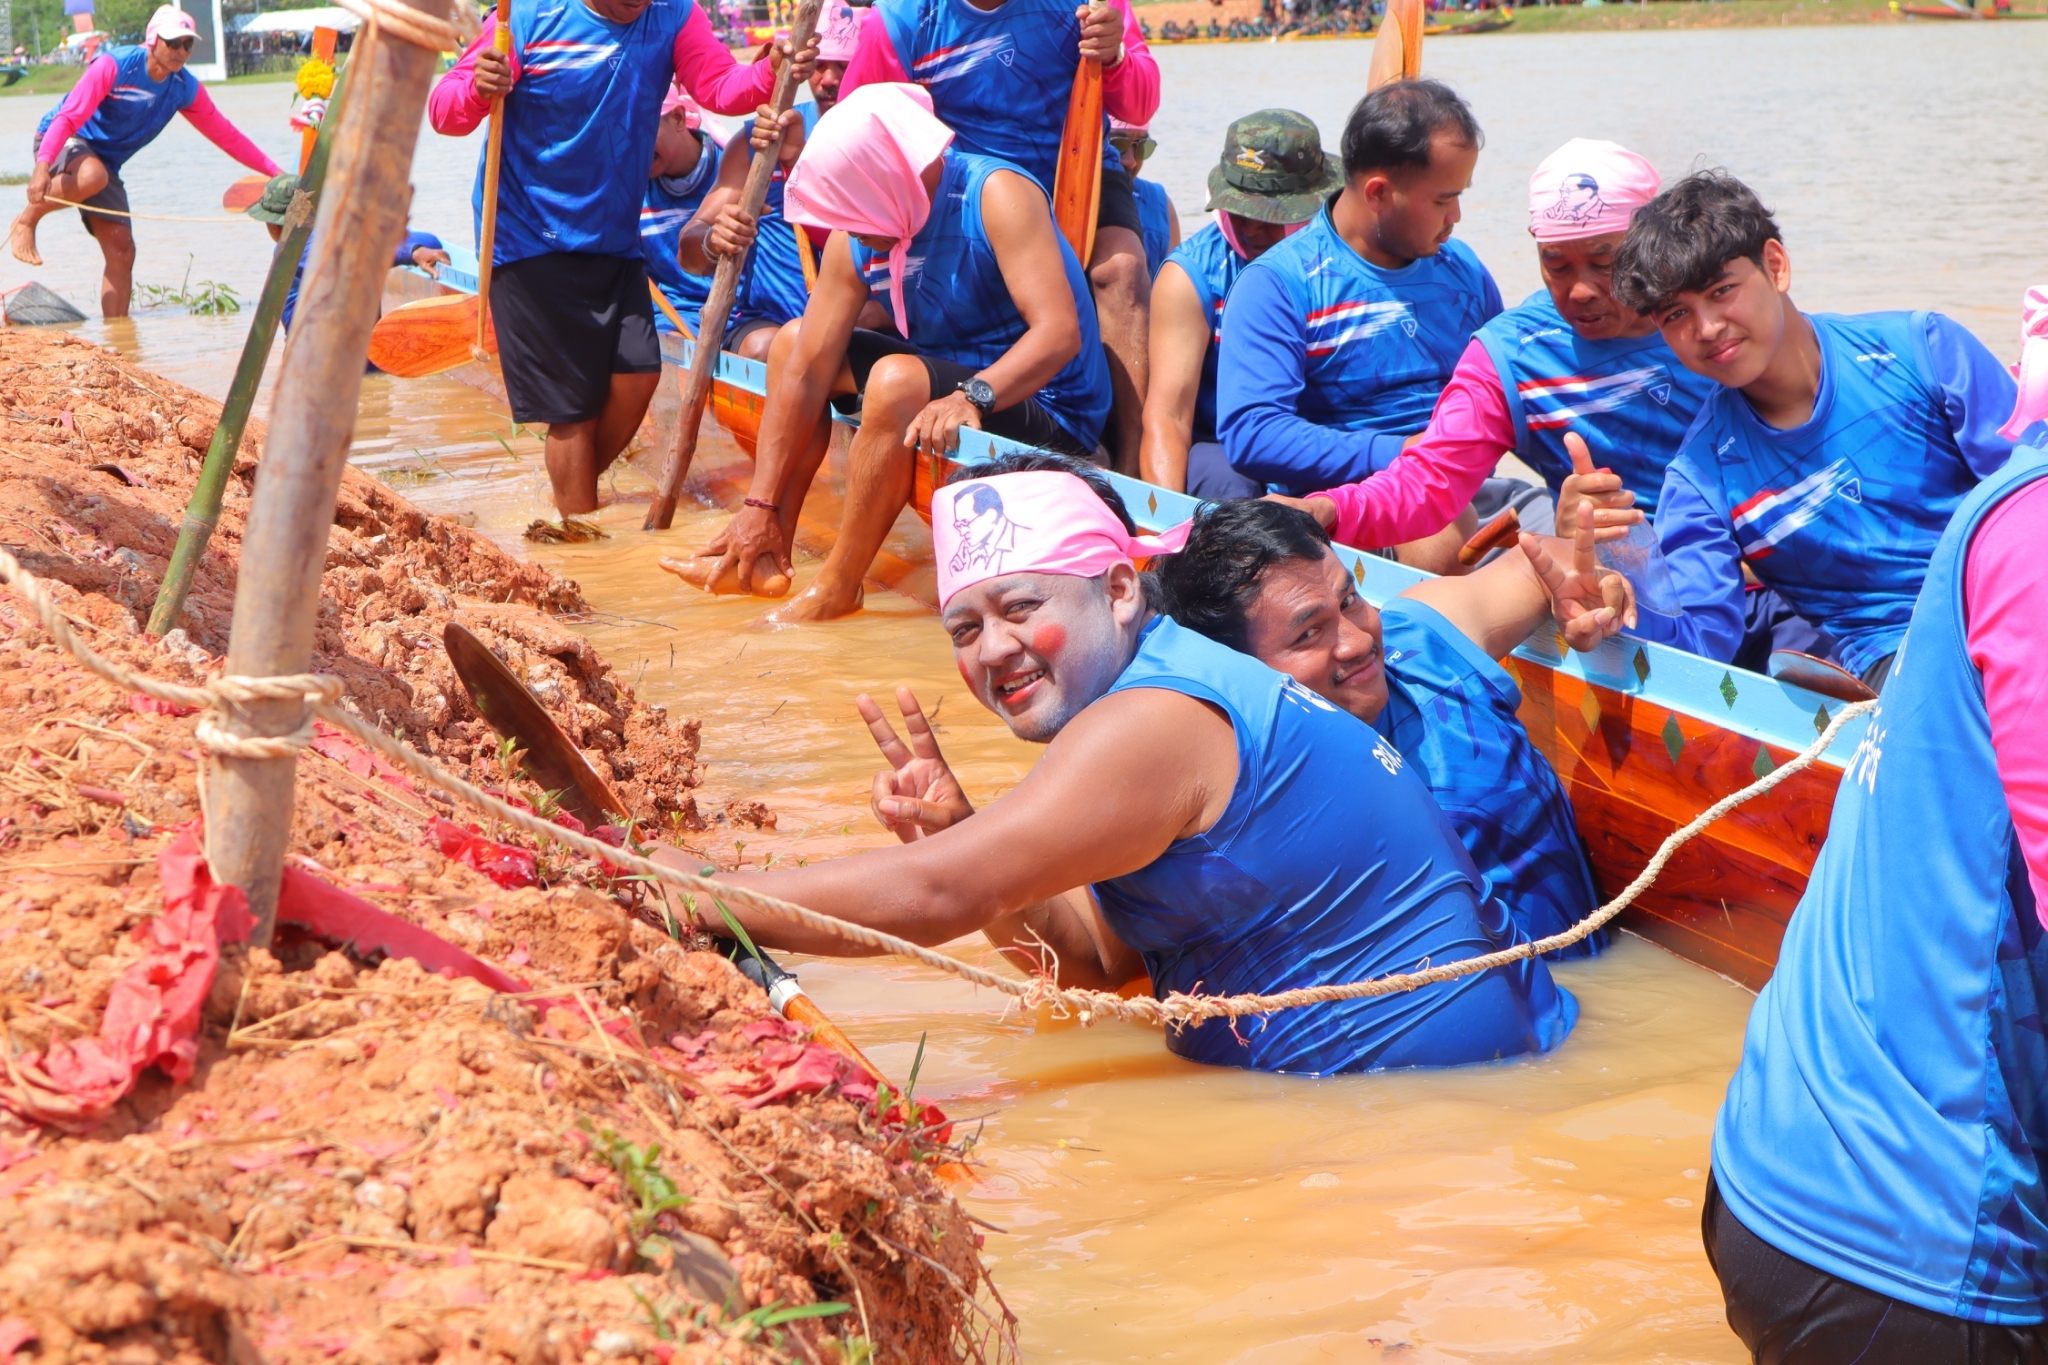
column 764, row 506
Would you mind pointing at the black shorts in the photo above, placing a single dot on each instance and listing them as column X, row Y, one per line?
column 1789, row 1313
column 1027, row 422
column 1119, row 204
column 114, row 196
column 566, row 323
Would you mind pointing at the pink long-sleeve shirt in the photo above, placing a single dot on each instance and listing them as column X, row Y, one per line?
column 704, row 66
column 2004, row 579
column 84, row 101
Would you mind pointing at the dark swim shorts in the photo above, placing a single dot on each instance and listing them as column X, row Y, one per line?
column 566, row 323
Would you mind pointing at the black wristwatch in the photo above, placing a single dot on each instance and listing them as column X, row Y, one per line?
column 981, row 393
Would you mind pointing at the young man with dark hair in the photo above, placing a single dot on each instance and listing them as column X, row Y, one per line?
column 1835, row 449
column 1261, row 578
column 1272, row 179
column 1241, row 833
column 1340, row 338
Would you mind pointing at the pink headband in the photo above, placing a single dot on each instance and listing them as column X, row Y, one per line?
column 679, row 98
column 2032, row 371
column 1040, row 522
column 838, row 32
column 1588, row 188
column 862, row 171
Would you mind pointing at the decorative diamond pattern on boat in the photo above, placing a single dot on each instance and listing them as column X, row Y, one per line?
column 1728, row 689
column 1674, row 738
column 1642, row 665
column 1563, row 648
column 1152, row 502
column 1765, row 765
column 1358, row 570
column 1589, row 707
column 1820, row 719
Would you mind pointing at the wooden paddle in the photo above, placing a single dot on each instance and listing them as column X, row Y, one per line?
column 1818, row 675
column 551, row 760
column 1077, row 181
column 1397, row 50
column 501, row 43
column 724, row 288
column 675, row 318
column 324, row 40
column 243, row 194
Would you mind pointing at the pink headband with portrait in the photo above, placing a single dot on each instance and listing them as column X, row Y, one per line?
column 1588, row 188
column 838, row 31
column 862, row 172
column 2032, row 371
column 1043, row 521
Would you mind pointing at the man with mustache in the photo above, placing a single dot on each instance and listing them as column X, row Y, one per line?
column 1240, row 832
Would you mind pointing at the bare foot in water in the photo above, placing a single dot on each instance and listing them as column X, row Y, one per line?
column 21, row 240
column 713, row 575
column 817, row 603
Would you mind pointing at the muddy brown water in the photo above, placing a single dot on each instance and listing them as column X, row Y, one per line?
column 1537, row 1210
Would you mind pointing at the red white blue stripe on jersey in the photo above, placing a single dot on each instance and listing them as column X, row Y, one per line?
column 1769, row 517
column 1331, row 327
column 656, row 222
column 951, row 63
column 1559, row 402
column 566, row 56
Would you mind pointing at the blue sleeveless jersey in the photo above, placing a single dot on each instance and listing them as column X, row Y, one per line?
column 1155, row 210
column 1890, row 1115
column 1000, row 79
column 1452, row 712
column 670, row 203
column 134, row 111
column 772, row 285
column 1330, row 864
column 1212, row 266
column 960, row 309
column 1840, row 514
column 1381, row 343
column 1629, row 398
column 579, row 128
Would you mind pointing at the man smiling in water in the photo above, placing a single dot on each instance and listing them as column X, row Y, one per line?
column 1240, row 832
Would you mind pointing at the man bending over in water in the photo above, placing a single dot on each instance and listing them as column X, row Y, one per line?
column 1261, row 578
column 1001, row 337
column 1241, row 833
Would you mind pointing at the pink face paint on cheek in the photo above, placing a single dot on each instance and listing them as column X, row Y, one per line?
column 965, row 676
column 1048, row 640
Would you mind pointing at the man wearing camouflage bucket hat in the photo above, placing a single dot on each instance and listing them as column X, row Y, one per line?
column 1271, row 181
column 274, row 209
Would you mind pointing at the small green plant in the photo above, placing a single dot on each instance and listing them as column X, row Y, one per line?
column 210, row 298
column 427, row 471
column 640, row 1172
column 748, row 1326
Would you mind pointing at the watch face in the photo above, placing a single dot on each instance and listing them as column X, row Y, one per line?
column 980, row 392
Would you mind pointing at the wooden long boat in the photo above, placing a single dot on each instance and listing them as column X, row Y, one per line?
column 1643, row 736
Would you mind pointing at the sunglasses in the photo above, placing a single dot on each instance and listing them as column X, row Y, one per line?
column 1141, row 148
column 182, row 44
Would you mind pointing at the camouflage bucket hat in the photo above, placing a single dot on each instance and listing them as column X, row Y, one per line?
column 276, row 201
column 1274, row 169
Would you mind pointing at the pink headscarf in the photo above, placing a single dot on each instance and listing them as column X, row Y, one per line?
column 679, row 98
column 838, row 32
column 2032, row 371
column 1040, row 522
column 1586, row 188
column 862, row 171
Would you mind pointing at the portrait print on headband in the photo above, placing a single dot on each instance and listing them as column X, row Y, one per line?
column 987, row 535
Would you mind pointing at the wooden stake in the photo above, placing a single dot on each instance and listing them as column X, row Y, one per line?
column 277, row 598
column 724, row 287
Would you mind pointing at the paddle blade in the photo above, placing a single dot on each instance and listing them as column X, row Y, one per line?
column 551, row 760
column 1077, row 184
column 243, row 194
column 428, row 337
column 1413, row 20
column 1387, row 52
column 1818, row 675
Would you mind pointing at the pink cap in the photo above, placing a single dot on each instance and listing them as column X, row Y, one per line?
column 169, row 22
column 838, row 31
column 2032, row 371
column 1587, row 188
column 1119, row 128
column 861, row 172
column 679, row 98
column 1039, row 522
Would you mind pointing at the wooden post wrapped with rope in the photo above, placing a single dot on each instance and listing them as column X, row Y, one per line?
column 277, row 600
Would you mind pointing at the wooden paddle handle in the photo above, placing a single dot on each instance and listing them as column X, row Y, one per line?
column 675, row 318
column 801, row 1010
column 725, row 286
column 1502, row 530
column 1077, row 183
column 487, row 235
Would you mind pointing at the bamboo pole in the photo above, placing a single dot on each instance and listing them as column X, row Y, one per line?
column 277, row 600
column 202, row 513
column 487, row 234
column 724, row 287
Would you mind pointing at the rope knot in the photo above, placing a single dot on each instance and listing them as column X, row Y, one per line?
column 230, row 694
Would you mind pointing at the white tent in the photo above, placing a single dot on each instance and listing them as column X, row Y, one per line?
column 300, row 21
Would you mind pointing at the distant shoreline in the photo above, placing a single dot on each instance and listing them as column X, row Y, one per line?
column 1606, row 18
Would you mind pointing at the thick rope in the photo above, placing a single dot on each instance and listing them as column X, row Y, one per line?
column 321, row 693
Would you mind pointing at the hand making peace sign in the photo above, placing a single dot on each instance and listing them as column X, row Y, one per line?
column 919, row 795
column 1590, row 603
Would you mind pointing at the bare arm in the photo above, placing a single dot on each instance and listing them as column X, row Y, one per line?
column 720, row 212
column 1497, row 606
column 1067, row 936
column 1126, row 778
column 1179, row 345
